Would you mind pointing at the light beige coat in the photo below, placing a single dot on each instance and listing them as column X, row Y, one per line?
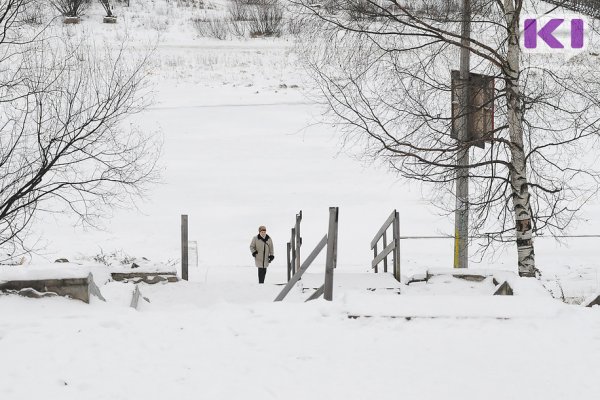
column 263, row 249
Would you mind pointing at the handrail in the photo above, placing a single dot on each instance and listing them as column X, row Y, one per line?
column 384, row 253
column 392, row 247
column 302, row 269
column 383, row 228
column 293, row 248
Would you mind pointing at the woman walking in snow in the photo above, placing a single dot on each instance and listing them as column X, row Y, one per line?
column 262, row 251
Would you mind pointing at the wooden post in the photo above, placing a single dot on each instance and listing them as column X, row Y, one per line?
column 289, row 261
column 375, row 256
column 184, row 247
column 396, row 229
column 331, row 252
column 298, row 240
column 293, row 242
column 384, row 246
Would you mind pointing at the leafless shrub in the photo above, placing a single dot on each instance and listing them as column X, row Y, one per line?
column 115, row 258
column 212, row 27
column 238, row 11
column 71, row 8
column 107, row 7
column 199, row 4
column 238, row 28
column 266, row 18
column 34, row 13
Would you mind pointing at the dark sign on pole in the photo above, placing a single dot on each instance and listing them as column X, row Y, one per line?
column 481, row 107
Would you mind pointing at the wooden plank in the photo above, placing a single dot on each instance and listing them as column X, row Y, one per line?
column 595, row 302
column 396, row 232
column 316, row 294
column 93, row 289
column 331, row 246
column 383, row 254
column 374, row 257
column 384, row 246
column 184, row 247
column 289, row 261
column 302, row 269
column 135, row 297
column 293, row 242
column 383, row 228
column 298, row 240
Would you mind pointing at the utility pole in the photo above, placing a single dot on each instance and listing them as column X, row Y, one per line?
column 461, row 222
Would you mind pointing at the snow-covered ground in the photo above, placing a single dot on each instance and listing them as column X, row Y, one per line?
column 242, row 148
column 220, row 336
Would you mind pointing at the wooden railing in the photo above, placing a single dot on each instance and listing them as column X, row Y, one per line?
column 293, row 248
column 329, row 241
column 393, row 247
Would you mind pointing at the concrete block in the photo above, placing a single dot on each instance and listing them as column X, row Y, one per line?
column 76, row 288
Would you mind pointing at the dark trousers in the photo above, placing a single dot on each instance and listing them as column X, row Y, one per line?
column 262, row 272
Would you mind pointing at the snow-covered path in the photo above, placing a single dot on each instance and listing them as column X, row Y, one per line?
column 220, row 336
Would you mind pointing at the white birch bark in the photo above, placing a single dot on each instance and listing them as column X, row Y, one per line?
column 518, row 173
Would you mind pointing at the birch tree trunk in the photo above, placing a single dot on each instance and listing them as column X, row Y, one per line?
column 518, row 172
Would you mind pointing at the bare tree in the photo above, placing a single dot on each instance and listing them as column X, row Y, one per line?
column 63, row 146
column 386, row 80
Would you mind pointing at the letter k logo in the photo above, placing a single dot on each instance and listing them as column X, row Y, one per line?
column 531, row 33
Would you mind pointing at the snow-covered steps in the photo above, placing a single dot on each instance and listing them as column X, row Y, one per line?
column 357, row 305
column 353, row 281
column 505, row 282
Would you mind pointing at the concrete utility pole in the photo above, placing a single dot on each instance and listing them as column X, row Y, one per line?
column 461, row 231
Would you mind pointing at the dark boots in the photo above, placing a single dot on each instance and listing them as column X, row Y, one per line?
column 262, row 272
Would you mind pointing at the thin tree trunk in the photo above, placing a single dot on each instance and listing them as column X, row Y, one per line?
column 518, row 172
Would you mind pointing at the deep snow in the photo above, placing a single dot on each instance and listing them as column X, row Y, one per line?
column 241, row 150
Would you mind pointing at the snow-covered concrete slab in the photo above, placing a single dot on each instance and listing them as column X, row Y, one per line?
column 38, row 273
column 497, row 307
column 80, row 288
column 366, row 281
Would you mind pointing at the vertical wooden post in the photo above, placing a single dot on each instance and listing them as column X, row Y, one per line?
column 298, row 240
column 289, row 261
column 384, row 246
column 184, row 247
column 331, row 252
column 375, row 256
column 397, row 245
column 293, row 242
